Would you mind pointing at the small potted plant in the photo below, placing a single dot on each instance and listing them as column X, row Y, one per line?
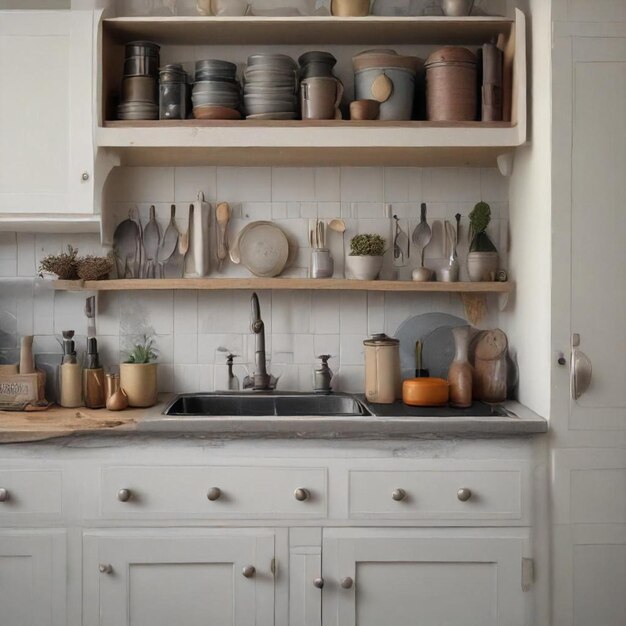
column 482, row 260
column 138, row 374
column 366, row 257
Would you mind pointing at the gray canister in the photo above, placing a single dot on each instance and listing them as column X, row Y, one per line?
column 399, row 105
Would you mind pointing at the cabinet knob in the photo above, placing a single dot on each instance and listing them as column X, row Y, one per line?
column 85, row 176
column 301, row 494
column 249, row 571
column 319, row 583
column 464, row 494
column 214, row 494
column 398, row 495
column 4, row 495
column 346, row 583
column 106, row 568
column 124, row 495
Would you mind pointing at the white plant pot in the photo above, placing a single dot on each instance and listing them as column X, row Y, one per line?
column 482, row 266
column 363, row 267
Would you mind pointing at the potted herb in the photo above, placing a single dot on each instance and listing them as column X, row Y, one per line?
column 138, row 374
column 482, row 260
column 366, row 257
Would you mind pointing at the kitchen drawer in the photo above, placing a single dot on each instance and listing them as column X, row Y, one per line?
column 441, row 494
column 30, row 493
column 242, row 492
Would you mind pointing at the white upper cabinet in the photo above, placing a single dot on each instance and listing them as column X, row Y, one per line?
column 46, row 121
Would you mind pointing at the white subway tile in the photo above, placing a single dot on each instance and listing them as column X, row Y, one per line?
column 151, row 312
column 327, row 184
column 206, row 377
column 165, row 378
column 451, row 184
column 69, row 312
column 189, row 181
column 397, row 180
column 254, row 211
column 279, row 210
column 353, row 312
column 215, row 348
column 108, row 313
column 351, row 379
column 244, row 184
column 328, row 210
column 351, row 349
column 303, row 349
column 493, row 186
column 186, row 378
column 291, row 312
column 371, row 210
column 293, row 210
column 325, row 313
column 185, row 349
column 109, row 349
column 44, row 312
column 293, row 183
column 26, row 254
column 362, row 184
column 141, row 184
column 375, row 312
column 8, row 267
column 8, row 251
column 185, row 312
column 308, row 210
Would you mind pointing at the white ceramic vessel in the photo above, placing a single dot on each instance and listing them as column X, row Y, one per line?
column 363, row 267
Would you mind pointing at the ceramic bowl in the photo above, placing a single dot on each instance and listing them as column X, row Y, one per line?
column 364, row 110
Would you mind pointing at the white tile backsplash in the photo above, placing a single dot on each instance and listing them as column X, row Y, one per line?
column 195, row 330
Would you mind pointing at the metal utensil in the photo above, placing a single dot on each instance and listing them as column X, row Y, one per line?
column 422, row 234
column 125, row 244
column 151, row 241
column 457, row 217
column 169, row 244
column 183, row 246
column 222, row 215
column 400, row 244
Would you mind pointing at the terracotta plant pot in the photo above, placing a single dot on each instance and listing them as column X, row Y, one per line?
column 482, row 266
column 363, row 267
column 350, row 8
column 139, row 381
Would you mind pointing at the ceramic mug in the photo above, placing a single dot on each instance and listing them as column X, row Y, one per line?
column 320, row 98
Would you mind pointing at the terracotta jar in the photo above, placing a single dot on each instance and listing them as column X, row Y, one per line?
column 350, row 8
column 139, row 381
column 461, row 372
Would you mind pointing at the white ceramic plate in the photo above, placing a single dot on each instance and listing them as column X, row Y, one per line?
column 263, row 248
column 272, row 116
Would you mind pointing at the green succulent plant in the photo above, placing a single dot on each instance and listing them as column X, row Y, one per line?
column 367, row 245
column 479, row 220
column 143, row 351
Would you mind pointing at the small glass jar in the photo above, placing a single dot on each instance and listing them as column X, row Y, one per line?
column 322, row 264
column 173, row 92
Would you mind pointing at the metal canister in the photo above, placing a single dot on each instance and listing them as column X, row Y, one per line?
column 383, row 383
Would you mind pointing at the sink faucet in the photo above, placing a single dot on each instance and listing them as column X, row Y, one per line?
column 260, row 379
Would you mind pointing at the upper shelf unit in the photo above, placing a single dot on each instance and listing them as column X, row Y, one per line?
column 193, row 142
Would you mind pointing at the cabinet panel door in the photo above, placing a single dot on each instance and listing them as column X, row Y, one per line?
column 403, row 577
column 155, row 579
column 32, row 579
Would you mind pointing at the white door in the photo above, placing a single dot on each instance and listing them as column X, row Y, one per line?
column 158, row 578
column 393, row 577
column 46, row 128
column 32, row 578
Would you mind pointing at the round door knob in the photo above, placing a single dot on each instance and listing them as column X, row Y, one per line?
column 347, row 582
column 301, row 494
column 4, row 495
column 398, row 495
column 464, row 494
column 106, row 568
column 123, row 495
column 214, row 494
column 319, row 583
column 562, row 361
column 85, row 176
column 249, row 571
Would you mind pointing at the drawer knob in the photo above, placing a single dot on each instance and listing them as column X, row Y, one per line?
column 124, row 495
column 346, row 583
column 106, row 568
column 4, row 495
column 398, row 495
column 319, row 583
column 301, row 494
column 464, row 494
column 249, row 571
column 214, row 494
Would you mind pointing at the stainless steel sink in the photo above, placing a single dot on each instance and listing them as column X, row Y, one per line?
column 264, row 404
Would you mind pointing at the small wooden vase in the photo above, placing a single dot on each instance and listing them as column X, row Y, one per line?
column 461, row 372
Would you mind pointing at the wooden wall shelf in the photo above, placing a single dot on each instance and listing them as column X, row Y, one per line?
column 282, row 284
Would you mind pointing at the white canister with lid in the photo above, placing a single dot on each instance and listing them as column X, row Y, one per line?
column 383, row 383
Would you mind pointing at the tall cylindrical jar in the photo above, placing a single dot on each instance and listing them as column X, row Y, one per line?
column 383, row 383
column 451, row 85
column 461, row 372
column 139, row 381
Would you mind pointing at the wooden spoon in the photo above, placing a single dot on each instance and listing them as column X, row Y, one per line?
column 339, row 226
column 222, row 214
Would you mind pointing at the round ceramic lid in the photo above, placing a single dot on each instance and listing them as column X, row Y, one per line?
column 380, row 339
column 263, row 249
column 451, row 54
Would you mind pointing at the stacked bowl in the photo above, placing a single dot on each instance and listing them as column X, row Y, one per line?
column 139, row 84
column 216, row 92
column 271, row 87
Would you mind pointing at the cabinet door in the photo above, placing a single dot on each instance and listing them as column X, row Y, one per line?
column 32, row 578
column 400, row 577
column 46, row 124
column 158, row 578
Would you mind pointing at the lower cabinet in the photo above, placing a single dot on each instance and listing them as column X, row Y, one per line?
column 196, row 577
column 32, row 578
column 395, row 577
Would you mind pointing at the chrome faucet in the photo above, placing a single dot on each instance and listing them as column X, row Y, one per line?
column 260, row 379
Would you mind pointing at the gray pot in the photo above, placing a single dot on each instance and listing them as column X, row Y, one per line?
column 399, row 106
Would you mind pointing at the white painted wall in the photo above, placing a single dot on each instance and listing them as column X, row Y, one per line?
column 528, row 322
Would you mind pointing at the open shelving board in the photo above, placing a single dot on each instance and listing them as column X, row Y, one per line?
column 280, row 284
column 194, row 142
